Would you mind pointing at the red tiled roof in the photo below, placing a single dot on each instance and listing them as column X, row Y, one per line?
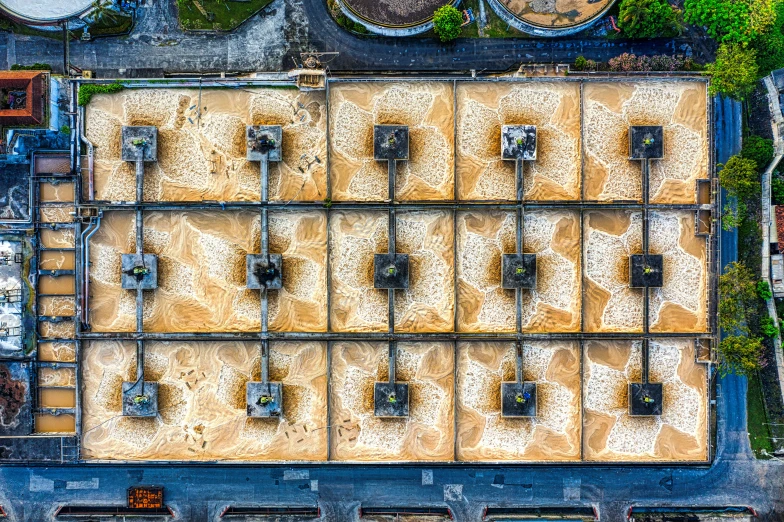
column 33, row 84
column 780, row 226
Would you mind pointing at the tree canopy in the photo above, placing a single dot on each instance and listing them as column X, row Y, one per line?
column 446, row 23
column 740, row 354
column 739, row 176
column 737, row 295
column 734, row 71
column 648, row 18
column 759, row 150
column 731, row 21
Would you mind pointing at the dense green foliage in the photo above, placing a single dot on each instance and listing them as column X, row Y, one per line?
column 759, row 150
column 648, row 18
column 768, row 327
column 35, row 67
column 735, row 71
column 777, row 187
column 731, row 21
column 737, row 297
column 88, row 90
column 770, row 45
column 739, row 176
column 763, row 290
column 740, row 354
column 446, row 23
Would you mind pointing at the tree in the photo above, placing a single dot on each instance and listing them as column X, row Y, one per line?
column 759, row 150
column 739, row 176
column 770, row 45
column 737, row 296
column 731, row 21
column 446, row 23
column 740, row 354
column 648, row 18
column 102, row 10
column 734, row 71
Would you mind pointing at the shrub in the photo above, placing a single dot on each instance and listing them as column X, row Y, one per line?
column 777, row 187
column 65, row 129
column 580, row 63
column 648, row 18
column 659, row 62
column 768, row 327
column 759, row 150
column 88, row 90
column 446, row 23
column 35, row 67
column 734, row 71
column 763, row 290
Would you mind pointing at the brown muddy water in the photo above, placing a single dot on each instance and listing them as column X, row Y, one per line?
column 204, row 158
column 201, row 402
column 610, row 434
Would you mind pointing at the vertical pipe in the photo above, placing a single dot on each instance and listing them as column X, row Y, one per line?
column 264, row 193
column 392, row 248
column 519, row 241
column 645, row 247
column 392, row 361
column 519, row 346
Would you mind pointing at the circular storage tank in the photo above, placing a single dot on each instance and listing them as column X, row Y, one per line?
column 551, row 17
column 44, row 12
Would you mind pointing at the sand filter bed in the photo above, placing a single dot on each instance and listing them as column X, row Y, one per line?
column 425, row 107
column 201, row 271
column 483, row 306
column 610, row 434
column 202, row 414
column 610, row 108
column 201, row 154
column 483, row 435
column 426, row 435
column 484, row 107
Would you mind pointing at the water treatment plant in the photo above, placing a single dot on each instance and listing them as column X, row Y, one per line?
column 505, row 270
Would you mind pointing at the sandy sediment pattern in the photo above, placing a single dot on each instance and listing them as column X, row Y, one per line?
column 201, row 404
column 201, row 272
column 610, row 434
column 204, row 159
column 609, row 110
column 354, row 239
column 483, row 435
column 426, row 435
column 428, row 110
column 681, row 304
column 482, row 305
column 610, row 305
column 56, row 352
column 428, row 305
column 484, row 107
column 554, row 305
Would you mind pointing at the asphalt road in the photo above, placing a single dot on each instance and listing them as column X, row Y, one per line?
column 273, row 39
